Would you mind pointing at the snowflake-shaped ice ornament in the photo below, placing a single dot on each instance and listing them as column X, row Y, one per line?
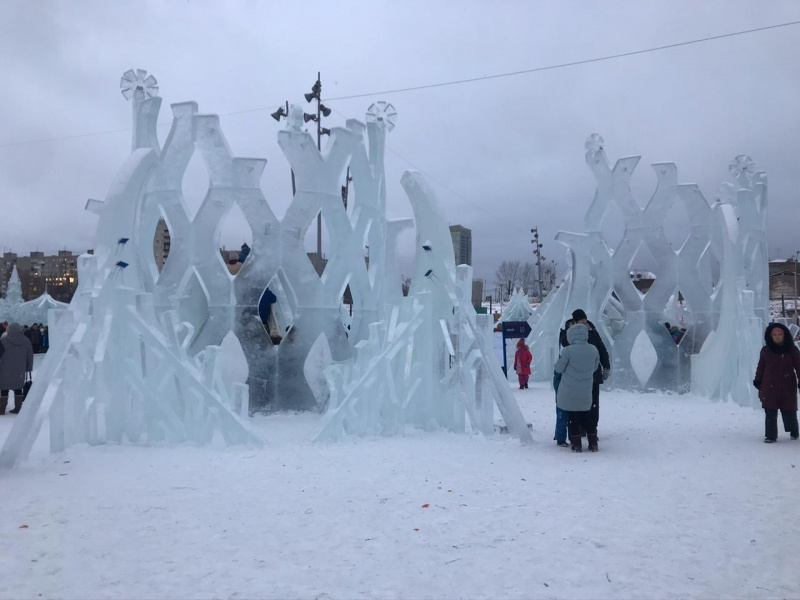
column 383, row 114
column 138, row 80
column 594, row 143
column 742, row 166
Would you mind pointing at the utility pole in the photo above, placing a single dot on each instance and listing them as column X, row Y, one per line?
column 322, row 111
column 537, row 252
column 796, row 315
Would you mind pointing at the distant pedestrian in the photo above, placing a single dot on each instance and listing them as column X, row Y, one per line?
column 45, row 338
column 16, row 360
column 776, row 380
column 522, row 364
column 577, row 364
column 35, row 336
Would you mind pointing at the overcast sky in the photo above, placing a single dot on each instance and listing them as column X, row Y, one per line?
column 505, row 154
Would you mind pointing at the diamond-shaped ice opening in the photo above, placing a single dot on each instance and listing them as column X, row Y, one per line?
column 643, row 357
column 161, row 244
column 613, row 226
column 195, row 184
column 317, row 260
column 677, row 225
column 234, row 239
column 614, row 317
column 677, row 317
column 643, row 268
column 318, row 359
column 193, row 303
column 275, row 311
column 708, row 268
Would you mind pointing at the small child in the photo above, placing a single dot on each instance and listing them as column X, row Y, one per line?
column 522, row 364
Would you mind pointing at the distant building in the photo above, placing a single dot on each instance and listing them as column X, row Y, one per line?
column 477, row 292
column 782, row 278
column 161, row 243
column 57, row 274
column 462, row 244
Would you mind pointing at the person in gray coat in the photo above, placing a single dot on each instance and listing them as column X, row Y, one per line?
column 577, row 364
column 16, row 359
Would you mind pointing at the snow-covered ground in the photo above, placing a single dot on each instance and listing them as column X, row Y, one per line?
column 684, row 500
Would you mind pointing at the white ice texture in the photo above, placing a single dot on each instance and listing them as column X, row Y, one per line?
column 715, row 285
column 182, row 354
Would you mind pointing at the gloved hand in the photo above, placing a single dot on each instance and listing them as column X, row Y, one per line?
column 757, row 384
column 606, row 374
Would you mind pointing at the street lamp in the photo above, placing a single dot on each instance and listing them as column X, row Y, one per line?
column 283, row 113
column 537, row 251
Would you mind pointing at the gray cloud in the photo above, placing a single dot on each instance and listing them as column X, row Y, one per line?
column 512, row 147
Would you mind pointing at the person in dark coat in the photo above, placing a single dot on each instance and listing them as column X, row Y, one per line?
column 35, row 336
column 16, row 359
column 602, row 372
column 776, row 380
column 522, row 364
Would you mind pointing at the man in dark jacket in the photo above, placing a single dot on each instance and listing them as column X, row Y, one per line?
column 16, row 359
column 35, row 336
column 602, row 372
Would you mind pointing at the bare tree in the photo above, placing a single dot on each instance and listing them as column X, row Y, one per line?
column 507, row 276
column 527, row 277
column 406, row 284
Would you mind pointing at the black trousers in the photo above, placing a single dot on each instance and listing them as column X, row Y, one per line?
column 581, row 419
column 771, row 422
column 595, row 410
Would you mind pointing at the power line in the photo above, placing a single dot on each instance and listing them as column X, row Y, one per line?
column 454, row 82
column 570, row 64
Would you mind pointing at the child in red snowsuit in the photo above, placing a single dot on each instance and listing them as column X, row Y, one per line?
column 522, row 364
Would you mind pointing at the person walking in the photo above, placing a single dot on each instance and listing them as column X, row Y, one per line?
column 562, row 417
column 603, row 369
column 522, row 364
column 776, row 380
column 577, row 364
column 16, row 360
column 35, row 336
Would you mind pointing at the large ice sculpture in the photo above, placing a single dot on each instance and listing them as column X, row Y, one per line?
column 431, row 363
column 182, row 354
column 692, row 282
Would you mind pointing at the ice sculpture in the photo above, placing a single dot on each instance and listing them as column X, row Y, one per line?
column 518, row 308
column 14, row 308
column 430, row 364
column 182, row 354
column 692, row 282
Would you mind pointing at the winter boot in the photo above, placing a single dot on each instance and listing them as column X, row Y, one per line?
column 592, row 442
column 18, row 402
column 577, row 443
column 562, row 444
column 769, row 441
column 3, row 405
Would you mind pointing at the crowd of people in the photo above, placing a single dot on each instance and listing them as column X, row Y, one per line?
column 16, row 365
column 583, row 365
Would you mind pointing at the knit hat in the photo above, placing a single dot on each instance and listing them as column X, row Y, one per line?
column 578, row 315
